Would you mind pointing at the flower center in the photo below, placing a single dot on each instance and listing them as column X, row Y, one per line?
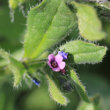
column 54, row 64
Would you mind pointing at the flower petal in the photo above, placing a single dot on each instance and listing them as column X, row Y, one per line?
column 58, row 58
column 51, row 57
column 63, row 54
column 60, row 53
column 50, row 64
column 56, row 69
column 62, row 65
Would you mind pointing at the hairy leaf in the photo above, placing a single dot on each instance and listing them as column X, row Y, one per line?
column 47, row 24
column 55, row 93
column 84, row 52
column 15, row 67
column 89, row 25
column 103, row 4
column 79, row 86
column 17, row 55
column 103, row 9
column 14, row 3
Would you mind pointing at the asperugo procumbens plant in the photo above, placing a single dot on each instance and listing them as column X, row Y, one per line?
column 59, row 35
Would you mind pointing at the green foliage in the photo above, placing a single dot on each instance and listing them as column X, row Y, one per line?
column 13, row 4
column 105, row 4
column 79, row 86
column 55, row 93
column 85, row 106
column 95, row 83
column 96, row 102
column 89, row 25
column 84, row 52
column 15, row 67
column 102, row 8
column 47, row 27
column 11, row 33
column 17, row 55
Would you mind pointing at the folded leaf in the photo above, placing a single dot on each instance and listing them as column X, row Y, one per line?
column 47, row 24
column 89, row 25
column 55, row 93
column 15, row 67
column 79, row 86
column 84, row 52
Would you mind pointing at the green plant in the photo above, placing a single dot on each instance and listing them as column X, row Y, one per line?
column 51, row 27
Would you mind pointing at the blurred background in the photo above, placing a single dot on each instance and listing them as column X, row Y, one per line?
column 95, row 77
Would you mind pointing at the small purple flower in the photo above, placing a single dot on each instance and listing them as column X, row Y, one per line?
column 36, row 81
column 56, row 63
column 63, row 54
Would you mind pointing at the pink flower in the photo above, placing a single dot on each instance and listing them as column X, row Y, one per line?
column 56, row 63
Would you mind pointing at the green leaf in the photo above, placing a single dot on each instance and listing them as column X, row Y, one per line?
column 94, row 84
column 13, row 4
column 84, row 52
column 89, row 25
column 17, row 55
column 103, row 9
column 11, row 33
column 94, row 105
column 105, row 4
column 47, row 25
column 79, row 86
column 55, row 93
column 96, row 102
column 15, row 67
column 85, row 106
